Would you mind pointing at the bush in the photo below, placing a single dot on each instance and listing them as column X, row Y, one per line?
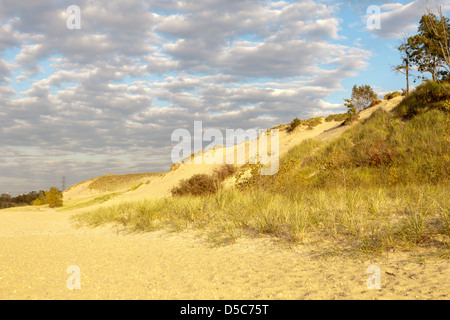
column 380, row 151
column 38, row 202
column 41, row 200
column 428, row 95
column 197, row 185
column 392, row 95
column 54, row 198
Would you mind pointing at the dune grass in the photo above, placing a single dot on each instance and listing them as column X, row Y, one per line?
column 382, row 151
column 73, row 205
column 370, row 221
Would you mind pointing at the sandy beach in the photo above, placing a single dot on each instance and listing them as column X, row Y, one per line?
column 37, row 248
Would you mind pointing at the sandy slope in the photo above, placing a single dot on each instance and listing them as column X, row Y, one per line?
column 161, row 186
column 37, row 247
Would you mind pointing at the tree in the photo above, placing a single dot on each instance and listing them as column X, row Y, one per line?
column 439, row 30
column 422, row 55
column 428, row 50
column 54, row 198
column 5, row 197
column 362, row 97
column 5, row 201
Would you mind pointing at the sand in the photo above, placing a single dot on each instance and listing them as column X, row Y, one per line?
column 37, row 247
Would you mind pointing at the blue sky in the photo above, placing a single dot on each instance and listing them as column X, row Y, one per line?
column 105, row 99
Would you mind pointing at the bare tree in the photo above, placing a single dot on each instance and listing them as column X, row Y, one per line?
column 405, row 67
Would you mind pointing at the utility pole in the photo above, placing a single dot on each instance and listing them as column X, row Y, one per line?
column 63, row 183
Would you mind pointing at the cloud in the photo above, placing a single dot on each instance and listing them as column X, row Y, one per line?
column 9, row 38
column 106, row 98
column 398, row 19
column 5, row 71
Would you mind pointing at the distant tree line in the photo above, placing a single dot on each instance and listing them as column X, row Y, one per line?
column 7, row 201
column 53, row 197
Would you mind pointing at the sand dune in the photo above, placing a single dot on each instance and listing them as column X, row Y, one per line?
column 37, row 245
column 160, row 186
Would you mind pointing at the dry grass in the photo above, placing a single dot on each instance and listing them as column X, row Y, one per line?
column 370, row 221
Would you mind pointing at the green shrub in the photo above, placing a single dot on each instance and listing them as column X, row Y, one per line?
column 382, row 150
column 432, row 91
column 392, row 95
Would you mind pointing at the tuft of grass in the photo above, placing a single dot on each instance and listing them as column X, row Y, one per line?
column 294, row 124
column 414, row 228
column 312, row 122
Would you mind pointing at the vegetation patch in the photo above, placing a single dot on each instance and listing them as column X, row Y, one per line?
column 428, row 95
column 294, row 124
column 309, row 123
column 338, row 117
column 392, row 95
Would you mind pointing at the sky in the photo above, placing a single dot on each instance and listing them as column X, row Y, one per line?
column 106, row 97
